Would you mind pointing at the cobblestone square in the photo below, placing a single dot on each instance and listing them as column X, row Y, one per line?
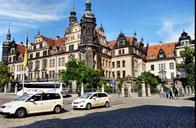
column 125, row 112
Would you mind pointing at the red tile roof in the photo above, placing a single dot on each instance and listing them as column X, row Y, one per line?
column 59, row 41
column 168, row 48
column 112, row 43
column 20, row 48
column 50, row 41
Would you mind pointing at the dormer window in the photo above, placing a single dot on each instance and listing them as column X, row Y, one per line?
column 13, row 50
column 161, row 54
column 151, row 56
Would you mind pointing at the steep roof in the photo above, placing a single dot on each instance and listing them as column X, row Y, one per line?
column 112, row 43
column 168, row 49
column 20, row 48
column 59, row 41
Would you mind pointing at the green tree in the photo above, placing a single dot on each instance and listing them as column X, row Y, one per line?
column 5, row 75
column 77, row 70
column 150, row 79
column 189, row 64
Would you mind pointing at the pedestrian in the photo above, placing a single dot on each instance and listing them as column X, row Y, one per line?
column 176, row 93
column 171, row 94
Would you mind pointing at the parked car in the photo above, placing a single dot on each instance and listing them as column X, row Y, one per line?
column 91, row 99
column 37, row 103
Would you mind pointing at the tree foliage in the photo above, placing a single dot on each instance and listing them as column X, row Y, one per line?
column 189, row 64
column 148, row 78
column 77, row 70
column 5, row 75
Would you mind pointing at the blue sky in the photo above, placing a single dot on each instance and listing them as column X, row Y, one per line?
column 154, row 20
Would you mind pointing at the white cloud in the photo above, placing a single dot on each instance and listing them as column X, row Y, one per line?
column 30, row 14
column 171, row 30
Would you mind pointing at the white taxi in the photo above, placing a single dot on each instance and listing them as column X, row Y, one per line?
column 37, row 103
column 91, row 99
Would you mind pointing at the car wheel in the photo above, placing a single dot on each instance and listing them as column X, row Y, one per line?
column 107, row 104
column 88, row 106
column 57, row 109
column 20, row 113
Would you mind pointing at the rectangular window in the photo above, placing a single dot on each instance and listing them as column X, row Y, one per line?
column 113, row 74
column 53, row 63
column 60, row 62
column 118, row 74
column 171, row 65
column 63, row 61
column 162, row 66
column 18, row 67
column 152, row 67
column 119, row 52
column 14, row 58
column 31, row 56
column 118, row 64
column 44, row 53
column 37, row 55
column 123, row 63
column 34, row 47
column 123, row 51
column 113, row 64
column 71, row 47
column 124, row 74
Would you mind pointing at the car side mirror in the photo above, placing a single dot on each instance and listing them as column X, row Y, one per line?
column 94, row 97
column 32, row 100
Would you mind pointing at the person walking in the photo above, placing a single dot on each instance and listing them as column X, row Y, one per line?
column 171, row 93
column 176, row 93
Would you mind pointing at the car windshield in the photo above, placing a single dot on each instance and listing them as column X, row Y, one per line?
column 23, row 98
column 86, row 95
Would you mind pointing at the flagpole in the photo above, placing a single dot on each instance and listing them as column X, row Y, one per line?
column 25, row 63
column 23, row 80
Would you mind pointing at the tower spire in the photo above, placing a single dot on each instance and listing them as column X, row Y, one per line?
column 9, row 34
column 72, row 18
column 88, row 5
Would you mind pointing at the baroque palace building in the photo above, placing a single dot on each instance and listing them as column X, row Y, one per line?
column 120, row 58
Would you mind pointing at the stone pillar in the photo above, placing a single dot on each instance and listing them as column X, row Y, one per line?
column 190, row 90
column 143, row 89
column 5, row 88
column 9, row 87
column 82, row 89
column 15, row 88
column 102, row 88
column 161, row 89
column 129, row 89
column 148, row 90
column 122, row 90
column 186, row 90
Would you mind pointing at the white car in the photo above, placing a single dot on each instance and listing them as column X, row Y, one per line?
column 91, row 99
column 37, row 103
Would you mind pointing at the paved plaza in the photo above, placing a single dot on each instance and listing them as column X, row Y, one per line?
column 125, row 112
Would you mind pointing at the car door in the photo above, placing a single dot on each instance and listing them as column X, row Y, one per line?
column 94, row 100
column 101, row 100
column 50, row 100
column 34, row 104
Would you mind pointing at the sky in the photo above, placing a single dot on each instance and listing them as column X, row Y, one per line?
column 154, row 20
